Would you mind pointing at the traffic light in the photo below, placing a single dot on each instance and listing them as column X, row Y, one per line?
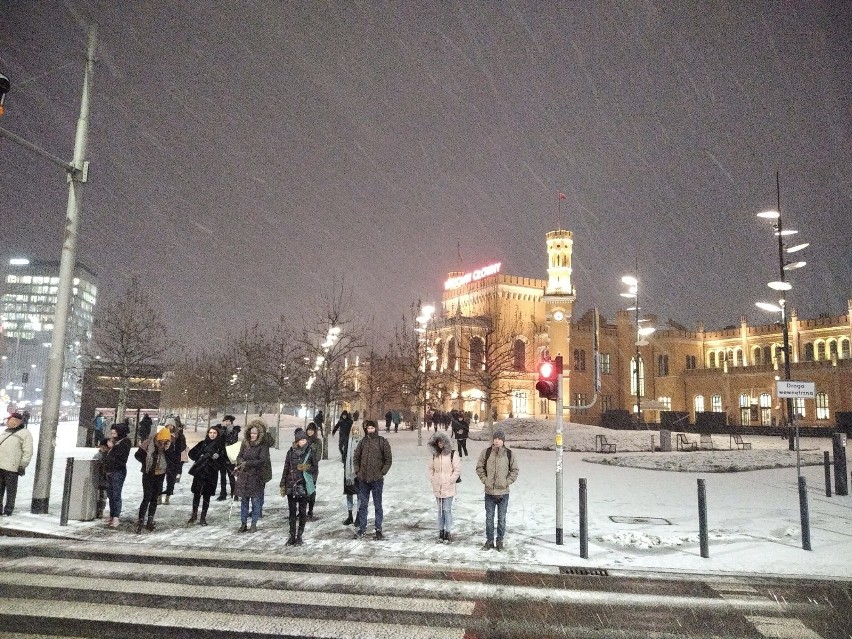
column 548, row 378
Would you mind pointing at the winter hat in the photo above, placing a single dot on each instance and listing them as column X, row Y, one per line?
column 16, row 416
column 311, row 426
column 299, row 434
column 171, row 422
column 229, row 418
column 163, row 435
column 499, row 434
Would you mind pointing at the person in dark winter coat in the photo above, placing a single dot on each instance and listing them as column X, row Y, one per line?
column 461, row 430
column 145, row 425
column 249, row 472
column 319, row 420
column 209, row 457
column 230, row 435
column 350, row 481
column 372, row 462
column 388, row 420
column 316, row 445
column 152, row 454
column 344, row 425
column 268, row 440
column 173, row 456
column 444, row 469
column 497, row 469
column 115, row 466
column 297, row 483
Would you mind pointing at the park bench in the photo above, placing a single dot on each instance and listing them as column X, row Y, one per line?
column 707, row 441
column 685, row 444
column 602, row 445
column 738, row 440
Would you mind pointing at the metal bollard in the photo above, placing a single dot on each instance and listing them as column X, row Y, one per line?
column 702, row 519
column 803, row 512
column 827, row 463
column 66, row 491
column 584, row 522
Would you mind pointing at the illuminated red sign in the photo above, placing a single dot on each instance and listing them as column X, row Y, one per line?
column 472, row 276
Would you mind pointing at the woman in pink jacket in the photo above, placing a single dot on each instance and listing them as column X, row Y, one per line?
column 444, row 471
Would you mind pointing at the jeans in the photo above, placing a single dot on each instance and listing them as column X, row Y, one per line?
column 255, row 509
column 365, row 489
column 445, row 513
column 152, row 486
column 501, row 504
column 8, row 485
column 115, row 483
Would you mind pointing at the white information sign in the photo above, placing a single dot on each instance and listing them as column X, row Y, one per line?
column 789, row 389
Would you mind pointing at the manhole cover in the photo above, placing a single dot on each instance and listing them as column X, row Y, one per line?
column 659, row 521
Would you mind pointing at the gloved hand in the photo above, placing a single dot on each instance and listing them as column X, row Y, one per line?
column 21, row 471
column 283, row 491
column 302, row 467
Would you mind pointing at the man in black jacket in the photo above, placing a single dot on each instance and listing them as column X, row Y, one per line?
column 372, row 461
column 231, row 435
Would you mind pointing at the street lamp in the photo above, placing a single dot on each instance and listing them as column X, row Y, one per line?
column 641, row 333
column 426, row 313
column 783, row 286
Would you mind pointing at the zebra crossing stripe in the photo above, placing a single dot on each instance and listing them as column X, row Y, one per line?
column 782, row 628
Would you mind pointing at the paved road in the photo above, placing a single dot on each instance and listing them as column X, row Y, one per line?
column 72, row 589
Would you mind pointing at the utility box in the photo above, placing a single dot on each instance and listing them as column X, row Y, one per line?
column 83, row 497
column 841, row 483
column 665, row 441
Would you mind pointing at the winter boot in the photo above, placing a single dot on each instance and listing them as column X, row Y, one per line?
column 166, row 500
column 115, row 522
column 203, row 521
column 348, row 521
column 253, row 527
column 299, row 532
column 499, row 545
column 441, row 537
column 194, row 516
column 291, row 541
column 139, row 526
column 243, row 527
column 488, row 545
column 150, row 525
column 447, row 536
column 222, row 496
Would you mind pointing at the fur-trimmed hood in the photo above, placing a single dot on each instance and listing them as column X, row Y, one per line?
column 433, row 443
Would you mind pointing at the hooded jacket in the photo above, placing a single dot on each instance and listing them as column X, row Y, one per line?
column 209, row 457
column 294, row 475
column 498, row 473
column 251, row 463
column 444, row 467
column 265, row 438
column 116, row 457
column 373, row 458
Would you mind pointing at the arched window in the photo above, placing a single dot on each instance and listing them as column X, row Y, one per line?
column 711, row 359
column 819, row 351
column 477, row 354
column 633, row 376
column 767, row 355
column 716, row 403
column 821, row 401
column 738, row 357
column 452, row 355
column 809, row 352
column 832, row 350
column 745, row 409
column 520, row 355
column 662, row 365
column 698, row 403
column 765, row 400
column 756, row 356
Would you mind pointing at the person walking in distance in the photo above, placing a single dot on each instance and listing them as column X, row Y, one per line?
column 316, row 446
column 350, row 481
column 152, row 454
column 209, row 457
column 372, row 462
column 461, row 430
column 497, row 470
column 16, row 451
column 388, row 420
column 444, row 470
column 297, row 484
column 344, row 424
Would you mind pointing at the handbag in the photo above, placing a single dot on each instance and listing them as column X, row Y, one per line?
column 184, row 456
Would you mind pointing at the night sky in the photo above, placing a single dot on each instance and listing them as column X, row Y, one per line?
column 245, row 154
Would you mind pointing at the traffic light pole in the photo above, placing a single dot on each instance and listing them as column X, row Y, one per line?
column 559, row 410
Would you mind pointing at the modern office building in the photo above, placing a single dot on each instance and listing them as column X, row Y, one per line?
column 28, row 309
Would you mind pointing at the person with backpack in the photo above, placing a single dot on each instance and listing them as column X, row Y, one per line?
column 230, row 435
column 371, row 462
column 497, row 470
column 16, row 451
column 444, row 471
column 297, row 483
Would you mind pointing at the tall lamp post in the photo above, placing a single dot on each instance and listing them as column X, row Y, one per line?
column 641, row 333
column 426, row 313
column 77, row 175
column 781, row 285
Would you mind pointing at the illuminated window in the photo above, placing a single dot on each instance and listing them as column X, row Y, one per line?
column 634, row 378
column 698, row 403
column 716, row 403
column 799, row 407
column 606, row 365
column 822, row 406
column 765, row 400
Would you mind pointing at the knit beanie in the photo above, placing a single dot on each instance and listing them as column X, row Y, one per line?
column 499, row 434
column 299, row 434
column 163, row 435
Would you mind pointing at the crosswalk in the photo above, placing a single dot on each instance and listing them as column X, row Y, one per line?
column 88, row 590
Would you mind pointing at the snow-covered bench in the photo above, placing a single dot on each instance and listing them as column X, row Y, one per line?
column 738, row 440
column 685, row 444
column 602, row 445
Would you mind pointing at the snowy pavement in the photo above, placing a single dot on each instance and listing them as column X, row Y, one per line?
column 639, row 518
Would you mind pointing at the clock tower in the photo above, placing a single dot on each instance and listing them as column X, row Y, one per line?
column 559, row 297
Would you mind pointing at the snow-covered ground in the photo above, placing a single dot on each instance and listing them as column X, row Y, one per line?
column 639, row 517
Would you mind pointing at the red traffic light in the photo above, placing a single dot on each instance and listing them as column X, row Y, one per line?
column 546, row 369
column 548, row 379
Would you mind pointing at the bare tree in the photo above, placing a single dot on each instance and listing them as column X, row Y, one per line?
column 410, row 364
column 286, row 368
column 376, row 382
column 247, row 364
column 330, row 341
column 128, row 338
